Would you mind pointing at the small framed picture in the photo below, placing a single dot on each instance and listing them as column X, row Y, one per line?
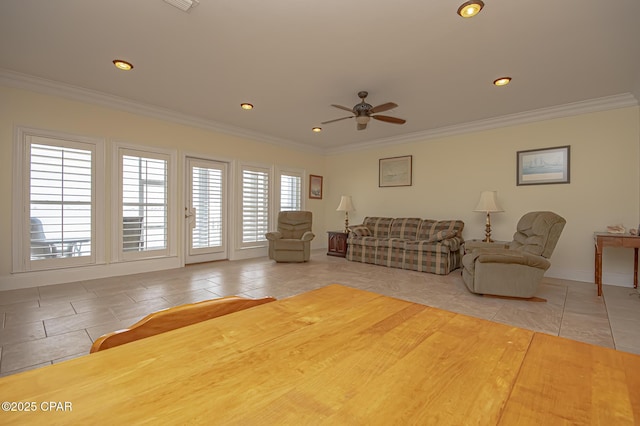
column 395, row 171
column 543, row 166
column 315, row 187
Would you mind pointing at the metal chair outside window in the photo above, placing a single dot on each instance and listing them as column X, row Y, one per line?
column 132, row 233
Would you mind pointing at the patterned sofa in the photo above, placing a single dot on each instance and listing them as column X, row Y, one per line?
column 407, row 243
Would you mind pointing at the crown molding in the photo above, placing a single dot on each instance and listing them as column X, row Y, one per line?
column 41, row 85
column 622, row 100
column 50, row 87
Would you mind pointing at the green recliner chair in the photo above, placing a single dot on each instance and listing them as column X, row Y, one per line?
column 292, row 241
column 514, row 269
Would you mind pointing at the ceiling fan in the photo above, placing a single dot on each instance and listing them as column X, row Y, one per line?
column 363, row 112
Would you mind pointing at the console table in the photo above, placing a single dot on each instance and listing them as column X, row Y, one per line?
column 605, row 239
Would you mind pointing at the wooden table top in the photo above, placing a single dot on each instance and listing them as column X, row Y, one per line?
column 335, row 355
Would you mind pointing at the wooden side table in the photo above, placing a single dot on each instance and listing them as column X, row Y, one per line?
column 605, row 239
column 337, row 243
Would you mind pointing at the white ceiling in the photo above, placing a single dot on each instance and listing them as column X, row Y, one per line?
column 293, row 58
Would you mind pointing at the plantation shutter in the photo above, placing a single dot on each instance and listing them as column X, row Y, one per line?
column 207, row 198
column 290, row 192
column 144, row 203
column 60, row 199
column 255, row 204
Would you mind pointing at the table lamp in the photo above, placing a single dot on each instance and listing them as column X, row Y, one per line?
column 346, row 206
column 488, row 203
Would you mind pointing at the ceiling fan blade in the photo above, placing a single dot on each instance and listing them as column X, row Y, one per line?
column 383, row 107
column 362, row 126
column 342, row 107
column 337, row 119
column 388, row 119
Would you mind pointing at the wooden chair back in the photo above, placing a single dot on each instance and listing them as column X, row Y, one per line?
column 176, row 317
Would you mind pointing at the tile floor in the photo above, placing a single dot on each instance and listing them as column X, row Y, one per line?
column 50, row 324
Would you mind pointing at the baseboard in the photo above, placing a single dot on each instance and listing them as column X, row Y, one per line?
column 59, row 276
column 587, row 276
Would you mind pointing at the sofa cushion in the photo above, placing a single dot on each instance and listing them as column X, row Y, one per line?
column 379, row 226
column 363, row 241
column 426, row 246
column 429, row 228
column 426, row 229
column 443, row 235
column 392, row 242
column 360, row 231
column 405, row 228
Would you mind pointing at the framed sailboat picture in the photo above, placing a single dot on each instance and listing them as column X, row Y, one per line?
column 315, row 187
column 543, row 166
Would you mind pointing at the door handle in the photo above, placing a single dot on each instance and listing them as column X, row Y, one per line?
column 190, row 213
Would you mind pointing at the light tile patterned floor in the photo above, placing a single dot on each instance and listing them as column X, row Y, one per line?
column 50, row 324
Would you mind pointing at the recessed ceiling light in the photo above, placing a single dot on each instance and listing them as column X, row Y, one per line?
column 122, row 65
column 246, row 106
column 316, row 129
column 502, row 81
column 470, row 8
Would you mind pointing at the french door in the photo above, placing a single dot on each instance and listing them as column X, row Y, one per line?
column 206, row 210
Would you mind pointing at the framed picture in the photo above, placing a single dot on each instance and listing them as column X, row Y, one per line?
column 543, row 166
column 315, row 187
column 395, row 171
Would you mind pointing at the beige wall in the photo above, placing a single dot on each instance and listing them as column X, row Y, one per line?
column 449, row 174
column 52, row 113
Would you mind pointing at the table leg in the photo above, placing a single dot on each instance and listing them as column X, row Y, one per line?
column 598, row 270
column 635, row 267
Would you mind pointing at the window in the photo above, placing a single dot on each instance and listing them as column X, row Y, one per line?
column 60, row 195
column 255, row 205
column 290, row 191
column 55, row 199
column 145, row 203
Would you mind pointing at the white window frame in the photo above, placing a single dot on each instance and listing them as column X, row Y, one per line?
column 240, row 223
column 21, row 254
column 287, row 171
column 170, row 156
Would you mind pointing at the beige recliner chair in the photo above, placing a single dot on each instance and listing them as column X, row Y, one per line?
column 292, row 241
column 514, row 269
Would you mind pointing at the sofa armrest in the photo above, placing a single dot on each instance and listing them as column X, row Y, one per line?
column 454, row 243
column 473, row 245
column 359, row 231
column 510, row 256
column 272, row 236
column 308, row 236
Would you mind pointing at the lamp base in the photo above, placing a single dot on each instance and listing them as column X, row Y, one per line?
column 487, row 230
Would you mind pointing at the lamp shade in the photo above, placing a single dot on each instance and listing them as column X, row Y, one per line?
column 488, row 202
column 346, row 205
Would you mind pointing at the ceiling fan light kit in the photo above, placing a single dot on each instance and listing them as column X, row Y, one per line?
column 363, row 112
